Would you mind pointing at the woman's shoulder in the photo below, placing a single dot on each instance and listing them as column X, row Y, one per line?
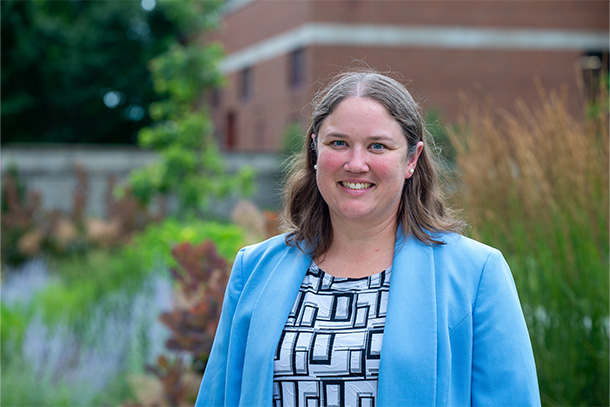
column 268, row 248
column 458, row 241
column 465, row 249
column 259, row 259
column 464, row 263
column 269, row 244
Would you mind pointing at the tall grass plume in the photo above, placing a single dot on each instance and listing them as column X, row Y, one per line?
column 534, row 183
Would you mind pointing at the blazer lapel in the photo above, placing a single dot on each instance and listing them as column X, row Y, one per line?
column 269, row 316
column 408, row 365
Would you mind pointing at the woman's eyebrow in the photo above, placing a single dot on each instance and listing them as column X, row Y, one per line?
column 380, row 138
column 335, row 134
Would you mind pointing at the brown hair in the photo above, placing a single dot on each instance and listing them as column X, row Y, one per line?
column 422, row 211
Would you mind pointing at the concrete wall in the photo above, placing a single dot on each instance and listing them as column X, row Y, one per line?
column 51, row 171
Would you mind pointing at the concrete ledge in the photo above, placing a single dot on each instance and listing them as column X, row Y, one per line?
column 50, row 169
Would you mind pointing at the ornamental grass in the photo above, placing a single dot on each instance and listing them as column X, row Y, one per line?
column 534, row 183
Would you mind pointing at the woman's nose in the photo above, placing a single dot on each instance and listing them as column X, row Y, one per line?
column 356, row 161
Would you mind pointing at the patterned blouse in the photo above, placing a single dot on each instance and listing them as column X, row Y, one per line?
column 328, row 354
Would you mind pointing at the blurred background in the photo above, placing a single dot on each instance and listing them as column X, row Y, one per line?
column 144, row 142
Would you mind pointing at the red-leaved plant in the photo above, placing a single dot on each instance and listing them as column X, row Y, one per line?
column 201, row 275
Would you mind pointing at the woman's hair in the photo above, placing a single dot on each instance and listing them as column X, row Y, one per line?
column 422, row 212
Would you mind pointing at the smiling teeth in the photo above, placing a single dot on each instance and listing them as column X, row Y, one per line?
column 356, row 185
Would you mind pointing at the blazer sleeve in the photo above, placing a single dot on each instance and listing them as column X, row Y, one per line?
column 213, row 385
column 503, row 368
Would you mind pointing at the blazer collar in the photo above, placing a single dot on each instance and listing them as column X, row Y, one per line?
column 271, row 311
column 408, row 364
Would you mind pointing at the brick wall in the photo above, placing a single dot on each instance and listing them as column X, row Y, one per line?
column 262, row 120
column 583, row 14
column 441, row 77
column 259, row 20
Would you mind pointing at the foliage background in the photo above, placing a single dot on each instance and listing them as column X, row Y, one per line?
column 61, row 59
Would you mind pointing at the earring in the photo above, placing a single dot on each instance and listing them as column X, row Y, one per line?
column 315, row 167
column 411, row 170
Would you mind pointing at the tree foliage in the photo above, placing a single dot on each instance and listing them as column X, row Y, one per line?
column 76, row 71
column 191, row 168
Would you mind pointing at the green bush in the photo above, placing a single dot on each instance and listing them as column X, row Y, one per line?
column 154, row 245
column 22, row 386
column 535, row 185
column 12, row 328
column 82, row 280
column 99, row 285
column 86, row 362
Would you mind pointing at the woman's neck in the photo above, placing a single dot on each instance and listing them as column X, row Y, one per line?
column 357, row 251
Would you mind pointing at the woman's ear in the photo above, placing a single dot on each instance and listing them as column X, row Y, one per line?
column 412, row 164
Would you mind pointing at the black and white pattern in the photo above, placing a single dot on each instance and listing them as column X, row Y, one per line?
column 328, row 354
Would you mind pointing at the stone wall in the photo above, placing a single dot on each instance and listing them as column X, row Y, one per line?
column 51, row 170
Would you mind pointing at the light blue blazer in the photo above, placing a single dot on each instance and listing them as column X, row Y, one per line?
column 454, row 335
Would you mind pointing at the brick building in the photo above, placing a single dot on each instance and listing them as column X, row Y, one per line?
column 280, row 52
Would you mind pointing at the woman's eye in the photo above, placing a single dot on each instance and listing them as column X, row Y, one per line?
column 338, row 143
column 377, row 146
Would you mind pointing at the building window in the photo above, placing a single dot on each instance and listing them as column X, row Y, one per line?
column 230, row 133
column 246, row 84
column 296, row 68
column 593, row 65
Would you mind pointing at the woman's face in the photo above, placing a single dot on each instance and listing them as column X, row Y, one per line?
column 362, row 162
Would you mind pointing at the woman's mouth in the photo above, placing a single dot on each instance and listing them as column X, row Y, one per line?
column 356, row 185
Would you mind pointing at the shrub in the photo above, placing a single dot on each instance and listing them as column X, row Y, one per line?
column 28, row 230
column 86, row 361
column 82, row 280
column 84, row 296
column 201, row 276
column 154, row 245
column 535, row 185
column 20, row 213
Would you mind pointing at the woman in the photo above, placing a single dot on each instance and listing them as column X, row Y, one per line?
column 371, row 297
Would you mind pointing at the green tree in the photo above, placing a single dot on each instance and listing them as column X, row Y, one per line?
column 75, row 71
column 191, row 167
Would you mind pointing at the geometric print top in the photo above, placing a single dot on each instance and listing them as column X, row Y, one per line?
column 328, row 354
